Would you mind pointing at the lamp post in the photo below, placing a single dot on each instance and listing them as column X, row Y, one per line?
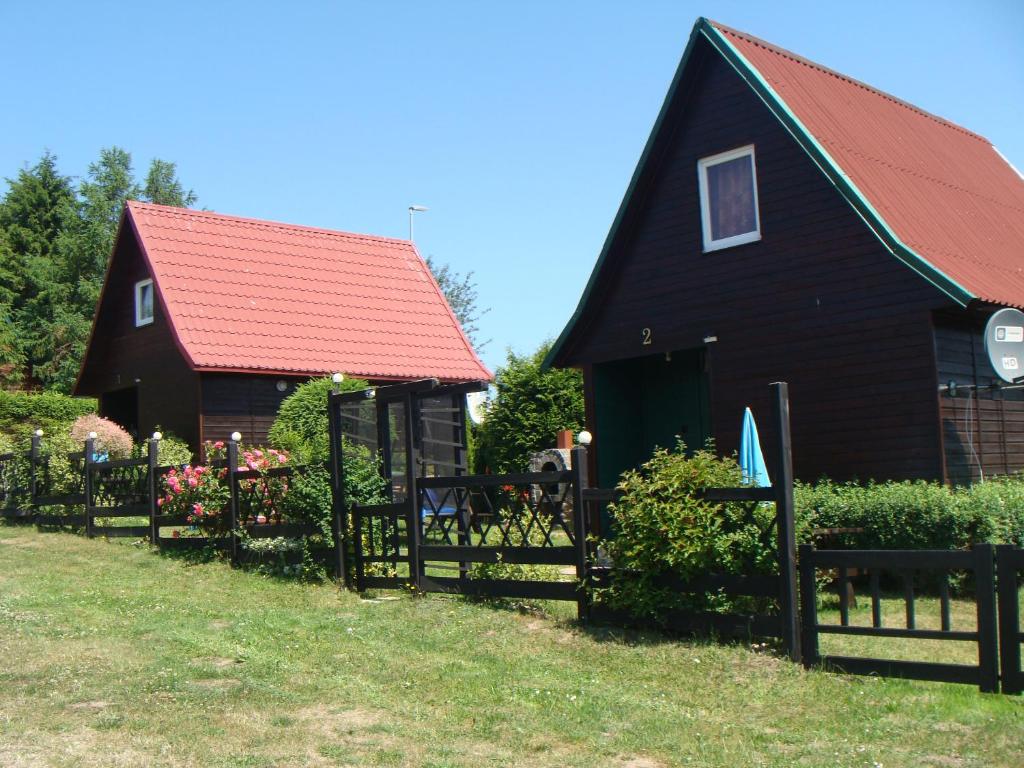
column 415, row 209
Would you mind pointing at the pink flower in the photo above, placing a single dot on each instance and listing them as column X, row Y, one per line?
column 198, row 508
column 261, row 518
column 219, row 444
column 258, row 454
column 281, row 458
column 193, row 482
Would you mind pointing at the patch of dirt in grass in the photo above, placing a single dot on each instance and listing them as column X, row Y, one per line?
column 947, row 761
column 220, row 624
column 330, row 722
column 217, row 662
column 217, row 683
column 639, row 762
column 90, row 705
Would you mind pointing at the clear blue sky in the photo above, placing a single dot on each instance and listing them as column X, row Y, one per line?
column 518, row 124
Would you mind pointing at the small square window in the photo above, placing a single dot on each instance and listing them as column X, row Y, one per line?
column 728, row 199
column 143, row 302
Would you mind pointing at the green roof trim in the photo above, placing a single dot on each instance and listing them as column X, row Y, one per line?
column 804, row 138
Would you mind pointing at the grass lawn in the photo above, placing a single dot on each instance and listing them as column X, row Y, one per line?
column 115, row 656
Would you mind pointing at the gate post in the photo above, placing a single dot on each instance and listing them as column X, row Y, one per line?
column 339, row 523
column 784, row 509
column 808, row 607
column 152, row 453
column 232, row 458
column 985, row 595
column 579, row 523
column 414, row 517
column 90, row 447
column 1009, row 619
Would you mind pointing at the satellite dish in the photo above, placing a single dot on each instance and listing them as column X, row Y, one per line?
column 1004, row 344
column 476, row 403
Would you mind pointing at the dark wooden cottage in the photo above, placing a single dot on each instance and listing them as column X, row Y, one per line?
column 786, row 222
column 207, row 322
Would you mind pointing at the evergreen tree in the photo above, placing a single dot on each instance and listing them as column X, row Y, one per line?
column 32, row 216
column 163, row 187
column 526, row 414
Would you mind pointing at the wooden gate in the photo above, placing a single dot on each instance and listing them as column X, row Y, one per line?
column 905, row 565
column 441, row 530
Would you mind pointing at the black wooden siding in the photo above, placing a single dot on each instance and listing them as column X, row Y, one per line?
column 817, row 302
column 247, row 403
column 120, row 354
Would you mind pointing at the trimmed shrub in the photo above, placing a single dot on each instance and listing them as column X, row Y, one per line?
column 173, row 451
column 23, row 412
column 916, row 514
column 111, row 439
column 301, row 424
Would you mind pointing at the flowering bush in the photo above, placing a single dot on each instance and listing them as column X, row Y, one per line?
column 198, row 493
column 262, row 497
column 111, row 439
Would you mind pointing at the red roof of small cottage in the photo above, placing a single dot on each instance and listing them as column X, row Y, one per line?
column 250, row 295
column 944, row 191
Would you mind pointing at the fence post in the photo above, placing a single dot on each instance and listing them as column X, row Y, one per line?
column 985, row 595
column 33, row 460
column 415, row 517
column 1009, row 619
column 153, row 453
column 232, row 459
column 339, row 524
column 808, row 607
column 90, row 448
column 580, row 481
column 784, row 507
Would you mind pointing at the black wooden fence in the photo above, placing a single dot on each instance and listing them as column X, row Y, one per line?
column 120, row 498
column 909, row 566
column 1009, row 564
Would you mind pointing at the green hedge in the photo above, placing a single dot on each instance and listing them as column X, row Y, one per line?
column 23, row 412
column 916, row 514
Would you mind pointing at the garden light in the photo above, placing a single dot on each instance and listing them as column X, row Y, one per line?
column 93, row 435
column 585, row 438
column 39, row 433
column 157, row 436
column 236, row 436
column 338, row 378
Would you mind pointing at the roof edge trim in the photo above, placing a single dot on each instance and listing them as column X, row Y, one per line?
column 832, row 170
column 556, row 348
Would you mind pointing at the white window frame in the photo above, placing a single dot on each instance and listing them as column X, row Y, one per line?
column 139, row 319
column 705, row 207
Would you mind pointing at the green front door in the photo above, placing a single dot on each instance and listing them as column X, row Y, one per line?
column 648, row 402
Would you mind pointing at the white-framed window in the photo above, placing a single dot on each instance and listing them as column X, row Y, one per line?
column 143, row 302
column 728, row 198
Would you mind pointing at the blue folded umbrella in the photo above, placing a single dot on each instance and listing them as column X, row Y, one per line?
column 751, row 459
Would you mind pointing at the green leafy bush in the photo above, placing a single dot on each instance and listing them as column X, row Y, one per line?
column 301, row 424
column 526, row 414
column 173, row 451
column 662, row 528
column 23, row 412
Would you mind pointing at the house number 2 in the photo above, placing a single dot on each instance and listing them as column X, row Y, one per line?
column 647, row 336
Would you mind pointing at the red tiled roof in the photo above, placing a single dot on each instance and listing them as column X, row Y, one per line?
column 250, row 295
column 944, row 191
